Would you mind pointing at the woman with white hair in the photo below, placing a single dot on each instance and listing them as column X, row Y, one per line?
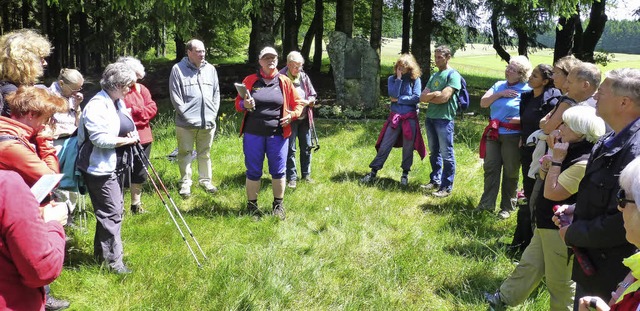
column 143, row 109
column 300, row 128
column 629, row 299
column 546, row 256
column 105, row 134
column 500, row 141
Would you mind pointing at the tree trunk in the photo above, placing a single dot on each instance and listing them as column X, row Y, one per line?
column 344, row 17
column 305, row 50
column 83, row 53
column 292, row 21
column 319, row 30
column 261, row 29
column 180, row 49
column 597, row 20
column 26, row 8
column 496, row 38
column 406, row 26
column 577, row 39
column 564, row 37
column 5, row 16
column 375, row 39
column 523, row 40
column 422, row 29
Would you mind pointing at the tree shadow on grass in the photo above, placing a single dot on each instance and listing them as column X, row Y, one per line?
column 382, row 183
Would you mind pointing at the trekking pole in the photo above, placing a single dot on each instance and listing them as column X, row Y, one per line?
column 315, row 144
column 166, row 206
column 175, row 207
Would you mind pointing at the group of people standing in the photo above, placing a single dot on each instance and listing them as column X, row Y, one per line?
column 41, row 125
column 573, row 142
column 574, row 137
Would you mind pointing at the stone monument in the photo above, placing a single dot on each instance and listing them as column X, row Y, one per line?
column 356, row 71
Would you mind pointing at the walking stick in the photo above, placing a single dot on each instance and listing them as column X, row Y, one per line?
column 143, row 158
column 315, row 144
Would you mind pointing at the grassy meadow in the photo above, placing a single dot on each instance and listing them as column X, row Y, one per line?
column 343, row 246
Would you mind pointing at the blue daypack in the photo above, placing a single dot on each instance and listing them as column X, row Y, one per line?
column 462, row 94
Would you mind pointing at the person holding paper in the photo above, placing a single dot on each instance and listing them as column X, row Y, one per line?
column 32, row 248
column 266, row 125
column 105, row 134
column 26, row 145
column 195, row 95
column 300, row 128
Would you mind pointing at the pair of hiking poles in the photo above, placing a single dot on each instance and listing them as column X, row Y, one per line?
column 146, row 165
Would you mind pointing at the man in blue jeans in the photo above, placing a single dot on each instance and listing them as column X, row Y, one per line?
column 439, row 93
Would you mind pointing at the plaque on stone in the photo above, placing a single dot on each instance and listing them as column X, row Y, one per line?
column 352, row 64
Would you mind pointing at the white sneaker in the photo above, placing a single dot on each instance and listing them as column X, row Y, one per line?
column 504, row 214
column 185, row 190
column 209, row 187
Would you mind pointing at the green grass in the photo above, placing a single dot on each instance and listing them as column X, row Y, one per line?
column 344, row 245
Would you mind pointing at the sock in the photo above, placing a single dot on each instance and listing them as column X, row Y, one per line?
column 253, row 202
column 277, row 201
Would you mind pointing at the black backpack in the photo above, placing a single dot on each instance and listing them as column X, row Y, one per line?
column 462, row 94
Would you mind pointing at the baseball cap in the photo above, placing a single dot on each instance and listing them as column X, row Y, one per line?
column 267, row 50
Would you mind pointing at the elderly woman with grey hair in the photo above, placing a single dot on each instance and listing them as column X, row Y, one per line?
column 143, row 109
column 546, row 256
column 300, row 128
column 105, row 133
column 500, row 142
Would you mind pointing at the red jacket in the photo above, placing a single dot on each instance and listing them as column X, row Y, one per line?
column 32, row 156
column 143, row 110
column 290, row 103
column 31, row 251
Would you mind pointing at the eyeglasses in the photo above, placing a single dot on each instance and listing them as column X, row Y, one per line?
column 72, row 90
column 510, row 69
column 621, row 196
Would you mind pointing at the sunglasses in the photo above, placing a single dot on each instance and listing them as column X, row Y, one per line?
column 621, row 196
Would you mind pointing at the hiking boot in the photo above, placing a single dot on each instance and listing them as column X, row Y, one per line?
column 185, row 191
column 54, row 304
column 430, row 186
column 208, row 187
column 370, row 177
column 252, row 210
column 278, row 211
column 495, row 303
column 292, row 184
column 404, row 180
column 504, row 214
column 442, row 193
column 137, row 209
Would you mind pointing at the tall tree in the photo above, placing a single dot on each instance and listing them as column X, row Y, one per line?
column 597, row 20
column 262, row 21
column 422, row 29
column 317, row 53
column 406, row 25
column 375, row 40
column 292, row 21
column 344, row 17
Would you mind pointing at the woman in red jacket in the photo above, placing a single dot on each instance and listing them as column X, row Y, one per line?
column 32, row 248
column 143, row 110
column 266, row 126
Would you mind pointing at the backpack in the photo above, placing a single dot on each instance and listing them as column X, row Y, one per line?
column 463, row 93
